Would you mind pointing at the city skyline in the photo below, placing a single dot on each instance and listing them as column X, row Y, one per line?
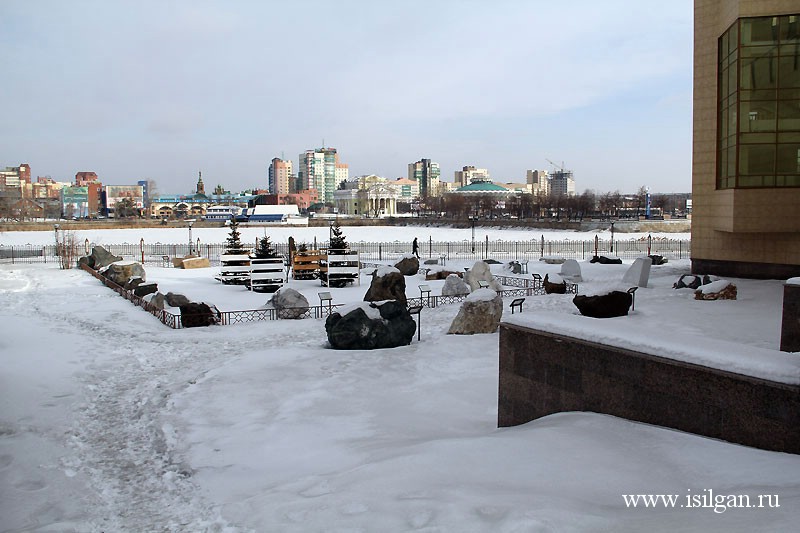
column 159, row 92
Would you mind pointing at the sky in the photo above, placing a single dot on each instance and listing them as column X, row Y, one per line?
column 161, row 90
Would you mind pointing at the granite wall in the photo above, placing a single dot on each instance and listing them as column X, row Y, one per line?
column 542, row 373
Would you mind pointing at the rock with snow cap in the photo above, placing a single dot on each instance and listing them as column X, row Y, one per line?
column 408, row 265
column 99, row 258
column 289, row 303
column 122, row 271
column 370, row 325
column 480, row 271
column 144, row 289
column 479, row 313
column 387, row 284
column 454, row 286
column 554, row 284
column 609, row 305
column 716, row 290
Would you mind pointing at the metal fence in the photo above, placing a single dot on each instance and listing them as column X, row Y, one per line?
column 174, row 321
column 161, row 254
column 521, row 287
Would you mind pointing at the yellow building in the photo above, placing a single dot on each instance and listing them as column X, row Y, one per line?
column 746, row 147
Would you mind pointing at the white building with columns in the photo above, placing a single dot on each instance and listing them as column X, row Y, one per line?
column 369, row 196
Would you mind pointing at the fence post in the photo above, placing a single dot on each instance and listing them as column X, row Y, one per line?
column 680, row 249
column 430, row 246
column 541, row 254
column 486, row 249
column 141, row 248
column 380, row 251
column 649, row 243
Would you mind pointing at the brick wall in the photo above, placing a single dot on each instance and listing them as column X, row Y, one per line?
column 543, row 373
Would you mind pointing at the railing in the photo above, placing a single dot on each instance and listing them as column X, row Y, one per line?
column 154, row 253
column 173, row 320
column 524, row 287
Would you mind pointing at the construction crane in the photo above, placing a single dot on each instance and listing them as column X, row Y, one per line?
column 561, row 168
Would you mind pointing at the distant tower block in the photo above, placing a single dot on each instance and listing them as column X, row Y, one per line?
column 201, row 189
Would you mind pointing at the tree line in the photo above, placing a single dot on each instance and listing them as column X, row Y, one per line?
column 588, row 204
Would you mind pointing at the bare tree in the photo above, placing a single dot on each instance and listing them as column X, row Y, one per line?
column 66, row 248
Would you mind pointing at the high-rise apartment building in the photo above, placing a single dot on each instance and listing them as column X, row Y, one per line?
column 281, row 174
column 746, row 138
column 320, row 169
column 537, row 182
column 15, row 177
column 470, row 174
column 561, row 183
column 426, row 173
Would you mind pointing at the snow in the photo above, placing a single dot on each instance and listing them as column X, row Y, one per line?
column 793, row 281
column 109, row 421
column 385, row 271
column 372, row 312
column 555, row 278
column 599, row 289
column 714, row 286
column 354, row 234
column 482, row 295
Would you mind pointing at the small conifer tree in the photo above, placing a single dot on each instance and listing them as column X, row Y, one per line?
column 233, row 244
column 338, row 241
column 264, row 249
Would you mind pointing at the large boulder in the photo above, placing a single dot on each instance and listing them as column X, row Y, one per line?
column 716, row 290
column 455, row 286
column 479, row 313
column 614, row 303
column 99, row 258
column 480, row 271
column 174, row 299
column 195, row 262
column 691, row 281
column 368, row 326
column 387, row 284
column 440, row 273
column 408, row 265
column 132, row 283
column 603, row 260
column 199, row 314
column 289, row 303
column 155, row 299
column 571, row 270
column 639, row 272
column 554, row 284
column 143, row 289
column 122, row 271
column 515, row 267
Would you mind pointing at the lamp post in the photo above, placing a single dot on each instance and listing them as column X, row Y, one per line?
column 58, row 245
column 473, row 231
column 190, row 236
column 612, row 236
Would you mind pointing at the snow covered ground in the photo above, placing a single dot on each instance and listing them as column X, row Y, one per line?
column 110, row 421
column 353, row 234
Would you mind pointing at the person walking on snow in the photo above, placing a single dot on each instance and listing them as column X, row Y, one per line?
column 415, row 248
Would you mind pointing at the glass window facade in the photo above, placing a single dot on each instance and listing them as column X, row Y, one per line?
column 758, row 96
